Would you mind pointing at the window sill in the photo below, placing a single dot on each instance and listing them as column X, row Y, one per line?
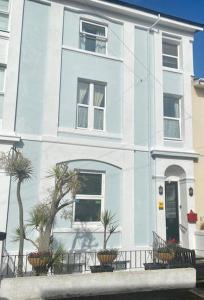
column 92, row 53
column 88, row 132
column 179, row 71
column 4, row 34
column 94, row 227
column 172, row 139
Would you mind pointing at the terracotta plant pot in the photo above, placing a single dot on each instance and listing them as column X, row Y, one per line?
column 165, row 256
column 38, row 261
column 106, row 259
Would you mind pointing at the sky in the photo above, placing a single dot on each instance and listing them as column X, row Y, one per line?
column 192, row 10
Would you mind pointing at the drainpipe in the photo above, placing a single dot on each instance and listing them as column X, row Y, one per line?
column 155, row 23
column 152, row 165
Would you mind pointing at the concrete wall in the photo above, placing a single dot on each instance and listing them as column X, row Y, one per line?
column 69, row 286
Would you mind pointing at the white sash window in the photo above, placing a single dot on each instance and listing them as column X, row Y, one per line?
column 93, row 37
column 91, row 105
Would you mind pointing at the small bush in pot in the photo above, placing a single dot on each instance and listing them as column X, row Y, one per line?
column 107, row 256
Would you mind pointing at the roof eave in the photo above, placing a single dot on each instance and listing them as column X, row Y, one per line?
column 143, row 15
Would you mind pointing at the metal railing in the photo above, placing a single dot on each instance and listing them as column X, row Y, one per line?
column 73, row 262
column 171, row 254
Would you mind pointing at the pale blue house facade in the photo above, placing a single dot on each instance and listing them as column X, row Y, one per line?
column 107, row 89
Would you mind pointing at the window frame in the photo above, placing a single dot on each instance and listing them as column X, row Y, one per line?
column 3, row 66
column 173, row 41
column 97, row 37
column 6, row 13
column 91, row 197
column 179, row 98
column 90, row 106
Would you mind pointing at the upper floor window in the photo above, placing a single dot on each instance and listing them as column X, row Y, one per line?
column 4, row 14
column 93, row 37
column 170, row 52
column 89, row 198
column 172, row 117
column 91, row 105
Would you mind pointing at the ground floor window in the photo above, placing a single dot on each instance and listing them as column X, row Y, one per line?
column 90, row 197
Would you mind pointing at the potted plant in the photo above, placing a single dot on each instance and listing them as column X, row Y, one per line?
column 165, row 254
column 40, row 261
column 107, row 256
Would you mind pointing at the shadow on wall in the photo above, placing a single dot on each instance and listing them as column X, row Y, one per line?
column 84, row 237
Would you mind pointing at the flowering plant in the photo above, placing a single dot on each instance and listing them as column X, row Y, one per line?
column 39, row 254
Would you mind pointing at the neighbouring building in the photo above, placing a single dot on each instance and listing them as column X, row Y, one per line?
column 106, row 88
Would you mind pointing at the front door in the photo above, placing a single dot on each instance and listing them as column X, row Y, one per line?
column 171, row 204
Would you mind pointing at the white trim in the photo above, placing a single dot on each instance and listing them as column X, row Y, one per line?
column 95, row 13
column 92, row 53
column 91, row 132
column 139, row 14
column 93, row 229
column 179, row 71
column 46, row 2
column 3, row 66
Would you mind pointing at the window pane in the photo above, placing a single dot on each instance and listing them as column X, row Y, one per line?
column 87, row 210
column 170, row 49
column 83, row 92
column 171, row 128
column 1, row 105
column 3, row 22
column 98, row 118
column 93, row 29
column 2, row 72
column 99, row 95
column 82, row 117
column 171, row 107
column 90, row 184
column 100, row 46
column 4, row 5
column 170, row 62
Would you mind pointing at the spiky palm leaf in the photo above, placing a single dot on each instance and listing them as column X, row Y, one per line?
column 16, row 165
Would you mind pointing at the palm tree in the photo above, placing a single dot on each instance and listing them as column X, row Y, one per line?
column 42, row 216
column 109, row 226
column 20, row 169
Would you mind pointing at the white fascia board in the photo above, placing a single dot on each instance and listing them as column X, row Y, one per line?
column 139, row 14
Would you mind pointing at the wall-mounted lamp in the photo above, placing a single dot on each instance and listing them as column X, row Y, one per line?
column 2, row 236
column 161, row 190
column 190, row 191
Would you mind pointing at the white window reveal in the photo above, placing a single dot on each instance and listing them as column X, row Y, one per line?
column 171, row 52
column 2, row 88
column 89, row 199
column 93, row 37
column 4, row 15
column 91, row 105
column 172, row 117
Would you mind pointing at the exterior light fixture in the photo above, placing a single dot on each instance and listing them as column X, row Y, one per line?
column 190, row 191
column 161, row 190
column 2, row 236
